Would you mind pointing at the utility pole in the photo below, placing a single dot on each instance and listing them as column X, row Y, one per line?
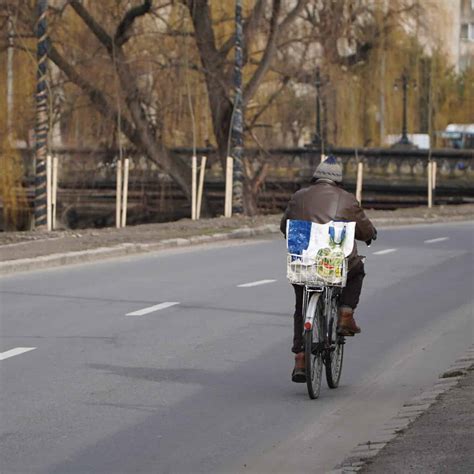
column 41, row 131
column 238, row 119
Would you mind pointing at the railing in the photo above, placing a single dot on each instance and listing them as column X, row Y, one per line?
column 391, row 178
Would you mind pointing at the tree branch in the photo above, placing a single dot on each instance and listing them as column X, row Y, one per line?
column 92, row 24
column 122, row 34
column 292, row 15
column 248, row 29
column 275, row 31
column 270, row 49
column 269, row 102
column 96, row 96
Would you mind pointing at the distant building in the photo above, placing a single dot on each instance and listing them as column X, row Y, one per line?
column 451, row 25
column 466, row 35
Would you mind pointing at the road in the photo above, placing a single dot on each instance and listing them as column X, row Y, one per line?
column 165, row 363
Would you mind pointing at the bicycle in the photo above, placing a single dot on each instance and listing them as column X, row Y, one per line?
column 322, row 344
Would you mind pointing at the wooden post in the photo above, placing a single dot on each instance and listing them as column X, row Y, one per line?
column 118, row 195
column 430, row 185
column 125, row 192
column 201, row 186
column 48, row 192
column 434, row 169
column 54, row 192
column 193, row 187
column 360, row 176
column 228, row 187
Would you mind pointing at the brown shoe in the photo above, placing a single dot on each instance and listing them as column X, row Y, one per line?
column 299, row 375
column 346, row 325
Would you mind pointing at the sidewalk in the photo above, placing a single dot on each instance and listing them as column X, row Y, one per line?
column 432, row 433
column 439, row 441
column 22, row 251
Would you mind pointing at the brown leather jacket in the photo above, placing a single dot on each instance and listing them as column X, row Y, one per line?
column 324, row 201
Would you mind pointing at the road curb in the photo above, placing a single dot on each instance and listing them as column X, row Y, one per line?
column 123, row 250
column 363, row 453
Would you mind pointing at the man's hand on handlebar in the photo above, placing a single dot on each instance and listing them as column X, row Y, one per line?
column 374, row 237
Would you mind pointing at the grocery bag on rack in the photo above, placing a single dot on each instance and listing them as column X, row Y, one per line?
column 305, row 238
column 324, row 246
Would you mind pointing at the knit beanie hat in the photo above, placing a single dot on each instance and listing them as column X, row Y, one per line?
column 329, row 169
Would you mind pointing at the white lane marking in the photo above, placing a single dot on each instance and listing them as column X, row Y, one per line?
column 255, row 283
column 15, row 352
column 152, row 309
column 383, row 252
column 439, row 239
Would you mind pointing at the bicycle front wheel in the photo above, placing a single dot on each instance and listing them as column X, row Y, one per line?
column 313, row 344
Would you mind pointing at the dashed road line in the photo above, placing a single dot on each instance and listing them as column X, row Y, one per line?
column 255, row 283
column 384, row 252
column 152, row 309
column 15, row 352
column 439, row 239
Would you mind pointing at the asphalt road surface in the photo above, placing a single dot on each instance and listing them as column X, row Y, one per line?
column 179, row 361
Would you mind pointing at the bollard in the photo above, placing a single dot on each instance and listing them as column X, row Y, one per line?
column 193, row 187
column 360, row 175
column 48, row 192
column 434, row 172
column 125, row 191
column 54, row 192
column 118, row 195
column 201, row 186
column 430, row 185
column 228, row 187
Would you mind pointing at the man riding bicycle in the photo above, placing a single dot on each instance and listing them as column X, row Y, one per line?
column 323, row 201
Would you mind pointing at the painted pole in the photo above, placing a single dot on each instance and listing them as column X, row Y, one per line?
column 360, row 177
column 118, row 195
column 201, row 186
column 193, row 187
column 41, row 131
column 54, row 192
column 228, row 187
column 125, row 191
column 238, row 120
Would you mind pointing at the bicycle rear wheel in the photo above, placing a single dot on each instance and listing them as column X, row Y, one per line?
column 335, row 354
column 313, row 344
